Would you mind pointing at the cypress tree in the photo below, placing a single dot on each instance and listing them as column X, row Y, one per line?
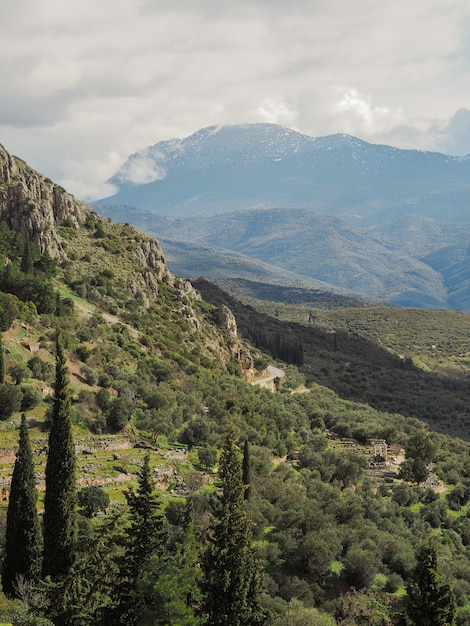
column 169, row 585
column 145, row 538
column 83, row 596
column 27, row 258
column 60, row 517
column 429, row 600
column 246, row 467
column 231, row 576
column 7, row 278
column 2, row 362
column 58, row 305
column 23, row 541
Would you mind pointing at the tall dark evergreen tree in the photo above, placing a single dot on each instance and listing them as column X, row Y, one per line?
column 146, row 538
column 23, row 541
column 231, row 575
column 60, row 517
column 169, row 584
column 2, row 361
column 27, row 258
column 58, row 305
column 246, row 467
column 430, row 601
column 83, row 596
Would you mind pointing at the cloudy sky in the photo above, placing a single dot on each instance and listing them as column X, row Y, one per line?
column 85, row 83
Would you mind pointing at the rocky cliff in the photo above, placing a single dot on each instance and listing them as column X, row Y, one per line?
column 36, row 207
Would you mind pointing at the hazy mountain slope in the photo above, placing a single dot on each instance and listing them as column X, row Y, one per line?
column 317, row 246
column 420, row 236
column 193, row 260
column 453, row 263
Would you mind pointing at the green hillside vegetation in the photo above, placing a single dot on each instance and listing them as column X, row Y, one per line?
column 161, row 400
column 439, row 337
column 408, row 361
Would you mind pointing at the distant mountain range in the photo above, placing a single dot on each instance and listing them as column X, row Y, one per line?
column 371, row 219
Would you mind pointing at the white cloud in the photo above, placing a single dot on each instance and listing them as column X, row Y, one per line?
column 277, row 112
column 455, row 135
column 141, row 169
column 357, row 115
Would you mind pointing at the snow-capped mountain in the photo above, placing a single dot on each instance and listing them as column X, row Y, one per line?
column 226, row 168
column 223, row 185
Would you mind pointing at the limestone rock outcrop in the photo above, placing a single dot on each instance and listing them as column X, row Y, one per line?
column 226, row 319
column 150, row 255
column 34, row 206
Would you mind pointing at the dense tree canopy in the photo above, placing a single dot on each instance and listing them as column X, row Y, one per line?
column 324, row 530
column 145, row 538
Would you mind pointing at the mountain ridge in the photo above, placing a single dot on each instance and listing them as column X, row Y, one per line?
column 301, row 170
column 407, row 205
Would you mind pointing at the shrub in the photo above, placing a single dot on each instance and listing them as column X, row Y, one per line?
column 176, row 512
column 42, row 370
column 119, row 414
column 234, row 368
column 360, row 567
column 18, row 372
column 31, row 398
column 195, row 433
column 458, row 497
column 93, row 500
column 83, row 352
column 103, row 399
column 105, row 380
column 207, row 456
column 100, row 230
column 8, row 312
column 10, row 400
column 85, row 333
column 394, row 582
column 89, row 374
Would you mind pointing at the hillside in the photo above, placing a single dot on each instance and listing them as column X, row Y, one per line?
column 343, row 477
column 360, row 217
column 129, row 323
column 194, row 260
column 322, row 248
column 410, row 362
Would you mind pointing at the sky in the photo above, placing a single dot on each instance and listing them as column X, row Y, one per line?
column 86, row 83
